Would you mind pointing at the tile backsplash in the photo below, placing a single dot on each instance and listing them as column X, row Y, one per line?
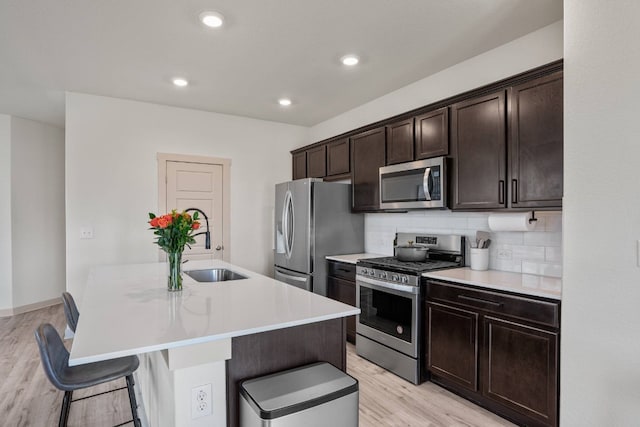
column 534, row 252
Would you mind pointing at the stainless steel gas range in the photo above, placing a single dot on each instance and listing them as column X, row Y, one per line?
column 389, row 295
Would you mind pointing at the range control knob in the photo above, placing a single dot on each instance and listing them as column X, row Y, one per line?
column 364, row 271
column 405, row 279
column 383, row 275
column 395, row 278
column 372, row 272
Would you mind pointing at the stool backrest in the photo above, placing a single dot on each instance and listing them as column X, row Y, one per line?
column 70, row 310
column 54, row 355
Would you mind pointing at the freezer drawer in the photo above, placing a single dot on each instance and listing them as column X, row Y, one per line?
column 299, row 280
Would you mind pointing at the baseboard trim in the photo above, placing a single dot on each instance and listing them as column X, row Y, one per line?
column 8, row 312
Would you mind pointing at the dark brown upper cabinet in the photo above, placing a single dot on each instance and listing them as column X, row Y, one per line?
column 478, row 148
column 367, row 156
column 432, row 134
column 400, row 142
column 338, row 157
column 536, row 143
column 299, row 165
column 317, row 162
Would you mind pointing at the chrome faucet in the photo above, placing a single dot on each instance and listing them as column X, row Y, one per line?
column 207, row 234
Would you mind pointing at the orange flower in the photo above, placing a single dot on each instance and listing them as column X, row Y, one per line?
column 195, row 225
column 163, row 222
column 154, row 222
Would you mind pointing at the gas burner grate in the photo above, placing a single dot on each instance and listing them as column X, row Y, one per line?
column 414, row 266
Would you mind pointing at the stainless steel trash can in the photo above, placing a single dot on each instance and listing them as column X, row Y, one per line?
column 316, row 395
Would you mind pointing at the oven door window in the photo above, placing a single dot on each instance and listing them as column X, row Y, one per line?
column 386, row 312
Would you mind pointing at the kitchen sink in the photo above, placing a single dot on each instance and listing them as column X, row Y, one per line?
column 214, row 275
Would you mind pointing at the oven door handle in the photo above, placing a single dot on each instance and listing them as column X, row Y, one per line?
column 382, row 286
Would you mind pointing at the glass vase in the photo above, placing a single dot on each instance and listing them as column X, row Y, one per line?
column 174, row 280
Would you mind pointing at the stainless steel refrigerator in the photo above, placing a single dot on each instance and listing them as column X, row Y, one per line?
column 313, row 219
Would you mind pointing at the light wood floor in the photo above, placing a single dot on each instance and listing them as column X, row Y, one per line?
column 28, row 399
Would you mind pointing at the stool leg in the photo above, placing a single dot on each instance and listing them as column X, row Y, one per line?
column 132, row 400
column 64, row 411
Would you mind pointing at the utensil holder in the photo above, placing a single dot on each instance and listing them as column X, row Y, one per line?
column 479, row 259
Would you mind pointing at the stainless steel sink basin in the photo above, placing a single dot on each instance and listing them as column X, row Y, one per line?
column 214, row 275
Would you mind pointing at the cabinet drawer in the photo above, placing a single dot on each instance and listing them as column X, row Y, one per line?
column 342, row 270
column 528, row 309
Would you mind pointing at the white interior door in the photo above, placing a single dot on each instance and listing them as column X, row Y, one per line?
column 198, row 185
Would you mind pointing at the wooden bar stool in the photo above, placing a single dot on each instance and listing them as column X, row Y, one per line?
column 55, row 361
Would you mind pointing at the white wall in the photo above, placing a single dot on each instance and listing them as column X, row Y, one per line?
column 534, row 49
column 600, row 349
column 6, row 288
column 531, row 252
column 111, row 147
column 37, row 211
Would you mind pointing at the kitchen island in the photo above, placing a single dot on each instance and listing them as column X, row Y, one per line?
column 209, row 333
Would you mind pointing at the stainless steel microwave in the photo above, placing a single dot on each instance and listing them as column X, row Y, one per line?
column 414, row 185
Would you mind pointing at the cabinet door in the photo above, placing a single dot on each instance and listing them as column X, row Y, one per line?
column 344, row 291
column 478, row 145
column 299, row 165
column 452, row 349
column 432, row 134
column 338, row 157
column 367, row 156
column 520, row 368
column 536, row 143
column 400, row 142
column 317, row 162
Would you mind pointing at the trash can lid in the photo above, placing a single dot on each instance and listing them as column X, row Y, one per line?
column 286, row 392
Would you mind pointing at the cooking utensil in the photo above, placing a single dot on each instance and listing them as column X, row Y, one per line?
column 411, row 252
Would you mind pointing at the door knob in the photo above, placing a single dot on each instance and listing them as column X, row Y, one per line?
column 219, row 248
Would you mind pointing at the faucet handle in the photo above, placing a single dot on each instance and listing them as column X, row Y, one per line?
column 219, row 248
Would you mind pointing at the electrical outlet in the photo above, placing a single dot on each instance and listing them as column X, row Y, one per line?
column 505, row 254
column 201, row 401
column 86, row 232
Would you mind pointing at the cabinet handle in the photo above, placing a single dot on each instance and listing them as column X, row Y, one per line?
column 514, row 191
column 501, row 192
column 346, row 270
column 483, row 301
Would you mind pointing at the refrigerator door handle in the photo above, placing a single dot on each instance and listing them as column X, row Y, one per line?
column 288, row 221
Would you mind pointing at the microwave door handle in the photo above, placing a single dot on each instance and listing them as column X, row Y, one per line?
column 425, row 183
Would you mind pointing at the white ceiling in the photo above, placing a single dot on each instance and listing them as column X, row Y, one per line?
column 267, row 49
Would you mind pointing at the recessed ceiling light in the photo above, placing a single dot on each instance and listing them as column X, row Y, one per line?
column 350, row 60
column 285, row 102
column 212, row 19
column 180, row 82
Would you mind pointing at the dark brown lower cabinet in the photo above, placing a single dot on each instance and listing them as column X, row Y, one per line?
column 341, row 286
column 496, row 349
column 453, row 344
column 520, row 368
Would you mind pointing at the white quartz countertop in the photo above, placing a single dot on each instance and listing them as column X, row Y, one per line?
column 526, row 284
column 127, row 310
column 353, row 258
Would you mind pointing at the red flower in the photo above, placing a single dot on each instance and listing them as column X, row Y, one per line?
column 154, row 222
column 164, row 222
column 195, row 225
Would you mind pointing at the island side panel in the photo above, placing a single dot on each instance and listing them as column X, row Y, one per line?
column 269, row 352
